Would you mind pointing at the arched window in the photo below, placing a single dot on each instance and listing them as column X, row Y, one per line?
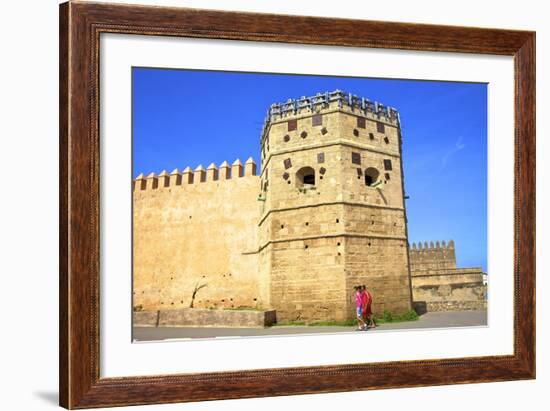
column 371, row 176
column 305, row 177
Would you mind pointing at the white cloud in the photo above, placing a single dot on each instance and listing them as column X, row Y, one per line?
column 459, row 145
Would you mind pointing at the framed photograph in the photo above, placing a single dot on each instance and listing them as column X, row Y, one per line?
column 260, row 205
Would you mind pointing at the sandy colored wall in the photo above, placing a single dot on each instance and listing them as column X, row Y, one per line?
column 432, row 257
column 202, row 317
column 301, row 248
column 448, row 276
column 436, row 287
column 451, row 297
column 190, row 234
column 307, row 282
column 319, row 240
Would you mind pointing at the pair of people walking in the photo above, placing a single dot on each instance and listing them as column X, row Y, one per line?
column 363, row 304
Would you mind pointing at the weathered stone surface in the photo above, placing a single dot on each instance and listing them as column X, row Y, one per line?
column 325, row 214
column 323, row 239
column 197, row 317
column 456, row 305
column 439, row 286
column 197, row 234
column 146, row 318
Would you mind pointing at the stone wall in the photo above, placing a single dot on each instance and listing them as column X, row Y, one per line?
column 326, row 213
column 434, row 257
column 325, row 237
column 438, row 285
column 197, row 228
column 197, row 317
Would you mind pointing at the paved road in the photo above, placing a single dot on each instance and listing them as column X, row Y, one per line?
column 428, row 320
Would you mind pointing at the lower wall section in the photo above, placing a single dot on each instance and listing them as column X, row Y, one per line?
column 196, row 317
column 197, row 239
column 423, row 307
column 380, row 264
column 458, row 290
column 307, row 280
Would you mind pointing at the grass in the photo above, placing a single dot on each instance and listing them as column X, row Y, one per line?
column 387, row 317
column 289, row 323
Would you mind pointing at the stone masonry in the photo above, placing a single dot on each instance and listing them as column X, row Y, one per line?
column 438, row 285
column 325, row 213
column 333, row 215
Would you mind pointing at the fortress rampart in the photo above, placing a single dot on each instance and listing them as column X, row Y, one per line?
column 333, row 215
column 337, row 99
column 199, row 175
column 325, row 213
column 438, row 284
column 432, row 257
column 197, row 229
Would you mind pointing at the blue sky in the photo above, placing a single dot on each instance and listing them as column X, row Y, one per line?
column 182, row 118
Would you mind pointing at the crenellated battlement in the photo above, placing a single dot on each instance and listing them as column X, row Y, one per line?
column 431, row 246
column 329, row 100
column 432, row 256
column 198, row 175
column 437, row 283
column 325, row 215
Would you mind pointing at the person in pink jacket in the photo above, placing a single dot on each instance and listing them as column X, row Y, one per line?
column 359, row 308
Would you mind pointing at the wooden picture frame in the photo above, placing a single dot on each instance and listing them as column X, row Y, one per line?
column 80, row 27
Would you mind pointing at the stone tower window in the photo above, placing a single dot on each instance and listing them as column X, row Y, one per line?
column 371, row 176
column 320, row 158
column 371, row 136
column 286, row 138
column 292, row 125
column 361, row 123
column 317, row 120
column 356, row 132
column 387, row 165
column 355, row 158
column 287, row 163
column 305, row 177
column 380, row 127
column 303, row 134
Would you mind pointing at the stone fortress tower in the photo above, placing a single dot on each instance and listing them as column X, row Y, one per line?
column 333, row 214
column 325, row 213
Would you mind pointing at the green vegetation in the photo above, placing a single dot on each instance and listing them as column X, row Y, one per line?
column 388, row 317
column 290, row 323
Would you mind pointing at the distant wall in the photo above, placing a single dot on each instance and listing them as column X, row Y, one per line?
column 450, row 297
column 197, row 228
column 430, row 256
column 438, row 285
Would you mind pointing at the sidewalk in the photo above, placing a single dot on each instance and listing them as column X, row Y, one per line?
column 428, row 320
